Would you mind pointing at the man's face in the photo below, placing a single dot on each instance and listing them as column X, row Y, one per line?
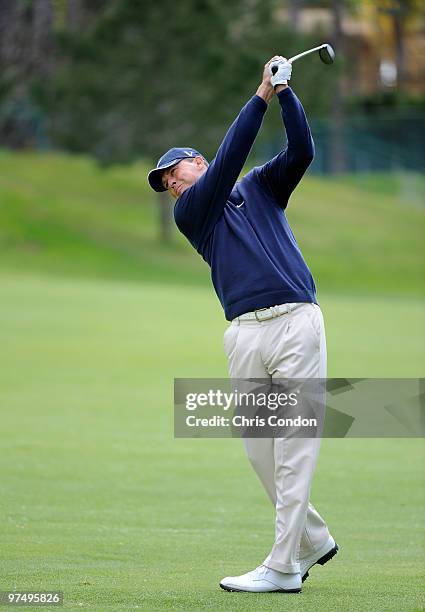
column 180, row 177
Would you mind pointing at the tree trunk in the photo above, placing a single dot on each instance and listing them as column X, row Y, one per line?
column 26, row 53
column 337, row 159
column 400, row 56
column 13, row 41
column 165, row 217
column 294, row 11
column 26, row 39
column 74, row 15
column 42, row 40
column 7, row 14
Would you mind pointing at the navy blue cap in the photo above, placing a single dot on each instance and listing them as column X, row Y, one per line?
column 171, row 157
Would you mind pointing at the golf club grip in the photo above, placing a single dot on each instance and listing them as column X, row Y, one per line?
column 274, row 69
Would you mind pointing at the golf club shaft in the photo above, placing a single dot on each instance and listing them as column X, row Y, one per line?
column 292, row 59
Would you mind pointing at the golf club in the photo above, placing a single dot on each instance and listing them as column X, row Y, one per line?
column 326, row 54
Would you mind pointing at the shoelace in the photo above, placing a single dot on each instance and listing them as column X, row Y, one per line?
column 261, row 570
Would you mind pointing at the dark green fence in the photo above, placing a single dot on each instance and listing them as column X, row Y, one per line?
column 379, row 144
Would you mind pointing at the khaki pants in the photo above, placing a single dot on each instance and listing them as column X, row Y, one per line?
column 292, row 345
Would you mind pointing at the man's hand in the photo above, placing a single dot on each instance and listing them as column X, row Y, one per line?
column 281, row 72
column 266, row 89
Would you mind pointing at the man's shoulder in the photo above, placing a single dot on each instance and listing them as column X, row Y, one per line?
column 257, row 177
column 254, row 175
column 256, row 183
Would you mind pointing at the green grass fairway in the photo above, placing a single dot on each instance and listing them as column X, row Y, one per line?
column 99, row 500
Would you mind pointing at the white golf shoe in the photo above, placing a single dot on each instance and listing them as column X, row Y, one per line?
column 321, row 556
column 263, row 580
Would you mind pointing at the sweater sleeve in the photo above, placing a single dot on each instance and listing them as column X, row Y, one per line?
column 284, row 172
column 197, row 210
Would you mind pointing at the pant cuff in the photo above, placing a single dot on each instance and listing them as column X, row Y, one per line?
column 315, row 550
column 286, row 568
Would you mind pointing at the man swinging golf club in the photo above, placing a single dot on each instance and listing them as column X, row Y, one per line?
column 268, row 294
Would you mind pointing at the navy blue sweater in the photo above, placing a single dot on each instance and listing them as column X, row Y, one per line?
column 240, row 228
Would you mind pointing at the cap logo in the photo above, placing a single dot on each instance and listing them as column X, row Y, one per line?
column 188, row 153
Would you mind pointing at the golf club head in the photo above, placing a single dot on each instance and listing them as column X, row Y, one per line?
column 327, row 54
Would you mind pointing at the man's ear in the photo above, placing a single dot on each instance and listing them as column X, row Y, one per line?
column 199, row 161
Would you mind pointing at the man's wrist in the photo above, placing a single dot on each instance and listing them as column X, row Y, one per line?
column 265, row 92
column 280, row 88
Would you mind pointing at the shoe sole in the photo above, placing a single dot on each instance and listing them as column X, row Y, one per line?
column 327, row 557
column 232, row 590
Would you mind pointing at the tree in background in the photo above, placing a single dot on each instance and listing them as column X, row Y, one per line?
column 337, row 158
column 145, row 76
column 26, row 46
column 400, row 14
column 124, row 79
